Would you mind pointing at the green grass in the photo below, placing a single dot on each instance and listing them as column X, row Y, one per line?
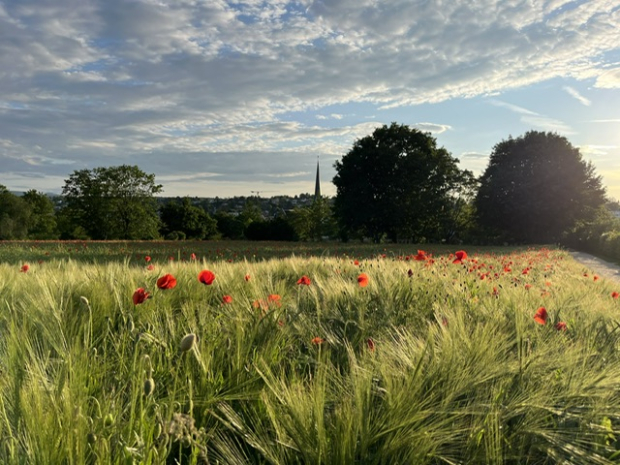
column 459, row 371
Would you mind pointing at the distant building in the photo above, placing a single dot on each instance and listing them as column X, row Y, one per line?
column 317, row 185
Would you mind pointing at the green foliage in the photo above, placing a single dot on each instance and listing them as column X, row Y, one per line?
column 193, row 221
column 276, row 229
column 42, row 224
column 111, row 203
column 15, row 215
column 314, row 222
column 398, row 183
column 536, row 187
column 229, row 226
column 599, row 235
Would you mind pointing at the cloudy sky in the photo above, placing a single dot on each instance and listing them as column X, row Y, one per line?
column 223, row 97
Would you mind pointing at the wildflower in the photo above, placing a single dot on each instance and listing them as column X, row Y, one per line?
column 561, row 326
column 541, row 316
column 192, row 256
column 25, row 267
column 147, row 259
column 615, row 295
column 528, row 287
column 227, row 299
column 370, row 344
column 167, row 281
column 275, row 298
column 188, row 342
column 151, row 267
column 139, row 296
column 246, row 277
column 410, row 273
column 304, row 281
column 421, row 256
column 460, row 256
column 595, row 278
column 206, row 277
column 318, row 340
column 362, row 280
column 356, row 262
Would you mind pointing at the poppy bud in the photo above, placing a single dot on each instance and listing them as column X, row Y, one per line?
column 187, row 342
column 149, row 386
column 84, row 301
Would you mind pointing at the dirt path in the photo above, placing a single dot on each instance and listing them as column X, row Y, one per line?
column 597, row 265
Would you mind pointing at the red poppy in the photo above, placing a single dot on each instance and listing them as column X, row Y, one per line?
column 370, row 344
column 247, row 277
column 304, row 281
column 25, row 267
column 167, row 281
column 139, row 296
column 274, row 298
column 193, row 256
column 421, row 256
column 615, row 295
column 206, row 277
column 595, row 278
column 410, row 273
column 227, row 299
column 362, row 280
column 356, row 262
column 147, row 259
column 150, row 267
column 460, row 256
column 318, row 340
column 528, row 286
column 561, row 326
column 541, row 316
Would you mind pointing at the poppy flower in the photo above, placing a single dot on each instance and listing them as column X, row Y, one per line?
column 147, row 259
column 192, row 256
column 206, row 277
column 247, row 277
column 561, row 326
column 304, row 281
column 167, row 281
column 150, row 267
column 410, row 273
column 370, row 344
column 275, row 298
column 541, row 316
column 460, row 256
column 139, row 296
column 318, row 340
column 615, row 295
column 362, row 280
column 25, row 267
column 528, row 287
column 421, row 256
column 595, row 278
column 227, row 299
column 356, row 262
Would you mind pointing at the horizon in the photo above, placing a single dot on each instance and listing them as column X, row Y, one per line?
column 226, row 99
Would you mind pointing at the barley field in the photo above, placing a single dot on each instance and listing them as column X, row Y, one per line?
column 145, row 353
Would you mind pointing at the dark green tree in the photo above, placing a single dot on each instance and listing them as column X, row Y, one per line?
column 193, row 221
column 397, row 183
column 536, row 187
column 42, row 224
column 229, row 226
column 314, row 221
column 14, row 216
column 112, row 203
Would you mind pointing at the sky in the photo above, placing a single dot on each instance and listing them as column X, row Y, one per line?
column 237, row 98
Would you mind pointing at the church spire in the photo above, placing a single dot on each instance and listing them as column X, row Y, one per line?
column 317, row 186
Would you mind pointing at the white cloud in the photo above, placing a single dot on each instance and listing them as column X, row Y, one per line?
column 89, row 79
column 574, row 93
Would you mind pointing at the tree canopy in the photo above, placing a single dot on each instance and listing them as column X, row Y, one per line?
column 536, row 187
column 397, row 183
column 184, row 217
column 112, row 203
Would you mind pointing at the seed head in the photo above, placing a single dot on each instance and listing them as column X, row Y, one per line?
column 188, row 342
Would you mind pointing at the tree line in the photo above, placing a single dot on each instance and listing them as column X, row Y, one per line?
column 393, row 185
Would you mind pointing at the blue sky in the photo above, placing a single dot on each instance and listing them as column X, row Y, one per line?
column 222, row 97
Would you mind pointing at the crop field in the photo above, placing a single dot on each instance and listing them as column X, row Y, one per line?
column 246, row 353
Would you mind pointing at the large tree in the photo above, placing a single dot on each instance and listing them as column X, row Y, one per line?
column 14, row 215
column 193, row 221
column 536, row 187
column 397, row 183
column 112, row 203
column 42, row 224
